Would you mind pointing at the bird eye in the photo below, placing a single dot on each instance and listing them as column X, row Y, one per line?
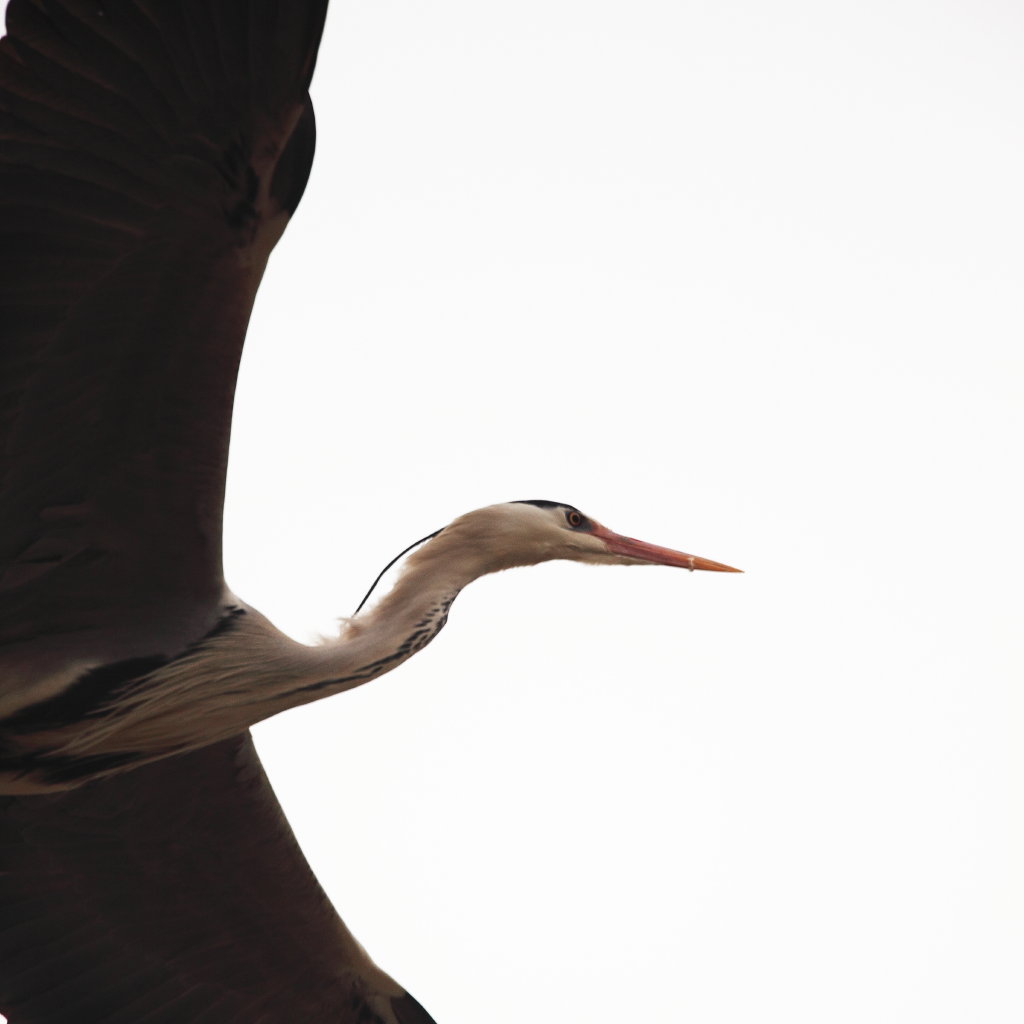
column 573, row 518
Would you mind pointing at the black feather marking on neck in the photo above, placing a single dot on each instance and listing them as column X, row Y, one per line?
column 380, row 575
column 424, row 631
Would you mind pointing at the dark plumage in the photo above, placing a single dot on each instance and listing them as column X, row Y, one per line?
column 151, row 153
column 150, row 156
column 111, row 910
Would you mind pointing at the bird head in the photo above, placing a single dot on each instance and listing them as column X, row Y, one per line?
column 527, row 532
column 511, row 534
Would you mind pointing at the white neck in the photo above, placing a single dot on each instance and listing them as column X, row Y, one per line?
column 247, row 670
column 250, row 670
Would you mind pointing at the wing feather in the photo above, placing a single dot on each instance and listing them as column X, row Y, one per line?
column 173, row 893
column 150, row 156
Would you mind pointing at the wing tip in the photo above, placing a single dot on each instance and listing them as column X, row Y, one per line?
column 408, row 1011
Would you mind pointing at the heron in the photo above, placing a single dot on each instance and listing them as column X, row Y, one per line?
column 151, row 156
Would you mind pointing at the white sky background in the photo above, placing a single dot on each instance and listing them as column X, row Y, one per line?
column 738, row 278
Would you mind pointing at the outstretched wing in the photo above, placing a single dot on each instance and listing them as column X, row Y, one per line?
column 151, row 153
column 150, row 156
column 173, row 893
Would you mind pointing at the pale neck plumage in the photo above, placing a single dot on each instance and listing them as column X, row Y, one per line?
column 248, row 670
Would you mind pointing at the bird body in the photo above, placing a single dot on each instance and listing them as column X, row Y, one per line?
column 150, row 157
column 117, row 716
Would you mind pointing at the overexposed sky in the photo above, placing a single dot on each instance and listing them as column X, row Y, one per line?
column 738, row 278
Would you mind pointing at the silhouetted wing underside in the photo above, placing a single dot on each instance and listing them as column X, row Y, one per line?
column 150, row 156
column 175, row 893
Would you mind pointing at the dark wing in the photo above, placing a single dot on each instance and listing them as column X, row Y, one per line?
column 175, row 893
column 151, row 152
column 150, row 156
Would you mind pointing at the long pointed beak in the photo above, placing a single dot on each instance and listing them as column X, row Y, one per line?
column 633, row 548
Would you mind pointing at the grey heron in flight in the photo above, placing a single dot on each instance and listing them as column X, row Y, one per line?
column 151, row 155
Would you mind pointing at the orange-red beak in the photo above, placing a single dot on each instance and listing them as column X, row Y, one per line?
column 632, row 548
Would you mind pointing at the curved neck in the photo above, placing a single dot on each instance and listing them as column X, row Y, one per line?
column 380, row 639
column 246, row 670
